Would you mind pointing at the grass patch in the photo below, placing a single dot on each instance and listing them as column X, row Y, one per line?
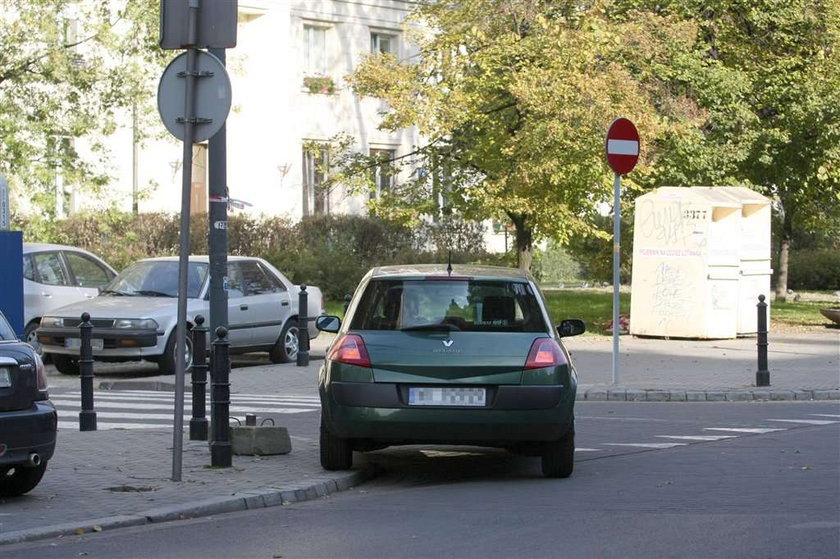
column 592, row 306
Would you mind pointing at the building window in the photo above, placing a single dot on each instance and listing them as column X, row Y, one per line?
column 383, row 43
column 383, row 172
column 316, row 197
column 314, row 50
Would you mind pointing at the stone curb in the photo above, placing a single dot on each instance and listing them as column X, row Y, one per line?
column 246, row 500
column 599, row 394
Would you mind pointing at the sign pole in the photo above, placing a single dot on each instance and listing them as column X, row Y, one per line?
column 622, row 151
column 183, row 262
column 616, row 273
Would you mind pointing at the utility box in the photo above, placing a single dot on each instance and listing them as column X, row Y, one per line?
column 686, row 264
column 754, row 253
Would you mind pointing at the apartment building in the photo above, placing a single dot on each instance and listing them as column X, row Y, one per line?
column 287, row 74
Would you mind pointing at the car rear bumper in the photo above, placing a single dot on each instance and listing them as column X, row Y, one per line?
column 379, row 412
column 26, row 431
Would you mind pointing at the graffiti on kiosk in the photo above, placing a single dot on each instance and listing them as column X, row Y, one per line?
column 669, row 296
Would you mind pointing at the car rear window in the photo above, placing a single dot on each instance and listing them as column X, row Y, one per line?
column 471, row 305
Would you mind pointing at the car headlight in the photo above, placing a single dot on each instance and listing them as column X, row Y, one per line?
column 51, row 322
column 136, row 323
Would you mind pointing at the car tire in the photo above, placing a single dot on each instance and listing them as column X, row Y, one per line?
column 65, row 364
column 336, row 453
column 166, row 362
column 286, row 347
column 30, row 338
column 558, row 457
column 18, row 479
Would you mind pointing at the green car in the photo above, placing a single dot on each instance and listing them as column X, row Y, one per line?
column 463, row 355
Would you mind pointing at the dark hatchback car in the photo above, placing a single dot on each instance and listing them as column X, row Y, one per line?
column 28, row 420
column 430, row 354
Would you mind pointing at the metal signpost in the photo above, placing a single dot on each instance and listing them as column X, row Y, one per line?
column 194, row 98
column 622, row 149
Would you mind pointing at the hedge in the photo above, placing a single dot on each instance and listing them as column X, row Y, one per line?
column 331, row 251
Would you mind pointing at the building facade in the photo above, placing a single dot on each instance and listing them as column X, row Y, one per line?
column 289, row 94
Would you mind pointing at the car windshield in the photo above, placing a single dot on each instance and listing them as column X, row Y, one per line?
column 6, row 332
column 156, row 278
column 470, row 305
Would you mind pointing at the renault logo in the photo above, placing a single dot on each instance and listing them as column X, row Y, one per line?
column 447, row 343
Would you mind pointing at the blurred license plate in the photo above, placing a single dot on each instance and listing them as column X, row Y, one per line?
column 76, row 343
column 428, row 396
column 5, row 378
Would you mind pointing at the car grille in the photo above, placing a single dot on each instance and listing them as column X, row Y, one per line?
column 96, row 322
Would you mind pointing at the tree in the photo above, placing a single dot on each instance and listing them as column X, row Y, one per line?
column 66, row 68
column 514, row 98
column 772, row 113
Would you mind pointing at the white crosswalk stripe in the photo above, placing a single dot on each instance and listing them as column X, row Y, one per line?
column 143, row 409
column 824, row 414
column 697, row 437
column 754, row 430
column 647, row 445
column 806, row 421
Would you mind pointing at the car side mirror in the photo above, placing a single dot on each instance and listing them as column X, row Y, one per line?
column 571, row 327
column 328, row 323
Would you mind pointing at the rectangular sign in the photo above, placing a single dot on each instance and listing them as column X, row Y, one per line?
column 216, row 26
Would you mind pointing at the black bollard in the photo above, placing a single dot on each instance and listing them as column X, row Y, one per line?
column 221, row 451
column 198, row 422
column 303, row 328
column 87, row 417
column 762, row 375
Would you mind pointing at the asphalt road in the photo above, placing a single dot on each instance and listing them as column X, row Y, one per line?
column 651, row 480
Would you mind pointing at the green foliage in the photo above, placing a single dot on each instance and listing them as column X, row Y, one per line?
column 815, row 269
column 593, row 306
column 555, row 264
column 66, row 68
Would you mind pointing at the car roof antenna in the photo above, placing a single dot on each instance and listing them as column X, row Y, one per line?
column 449, row 264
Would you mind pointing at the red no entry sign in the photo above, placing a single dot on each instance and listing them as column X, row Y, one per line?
column 622, row 146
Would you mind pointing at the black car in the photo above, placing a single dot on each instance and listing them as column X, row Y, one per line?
column 28, row 420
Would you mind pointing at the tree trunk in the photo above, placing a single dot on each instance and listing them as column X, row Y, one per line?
column 524, row 242
column 784, row 258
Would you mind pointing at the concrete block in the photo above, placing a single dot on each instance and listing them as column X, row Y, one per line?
column 803, row 394
column 260, row 441
column 657, row 396
column 715, row 396
column 739, row 396
column 695, row 396
column 781, row 395
column 678, row 395
column 633, row 395
column 616, row 395
column 826, row 394
column 761, row 394
column 596, row 394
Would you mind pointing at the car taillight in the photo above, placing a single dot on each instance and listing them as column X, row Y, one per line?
column 351, row 349
column 41, row 373
column 545, row 352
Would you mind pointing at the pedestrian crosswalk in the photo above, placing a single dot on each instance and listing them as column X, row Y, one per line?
column 147, row 409
column 730, row 433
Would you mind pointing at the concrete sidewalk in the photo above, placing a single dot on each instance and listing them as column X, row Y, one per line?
column 106, row 479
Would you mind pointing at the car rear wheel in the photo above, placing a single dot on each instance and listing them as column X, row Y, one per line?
column 65, row 364
column 166, row 362
column 558, row 457
column 336, row 453
column 18, row 480
column 285, row 349
column 32, row 339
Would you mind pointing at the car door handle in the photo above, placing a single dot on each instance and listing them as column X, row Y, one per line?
column 45, row 294
column 284, row 304
column 243, row 307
